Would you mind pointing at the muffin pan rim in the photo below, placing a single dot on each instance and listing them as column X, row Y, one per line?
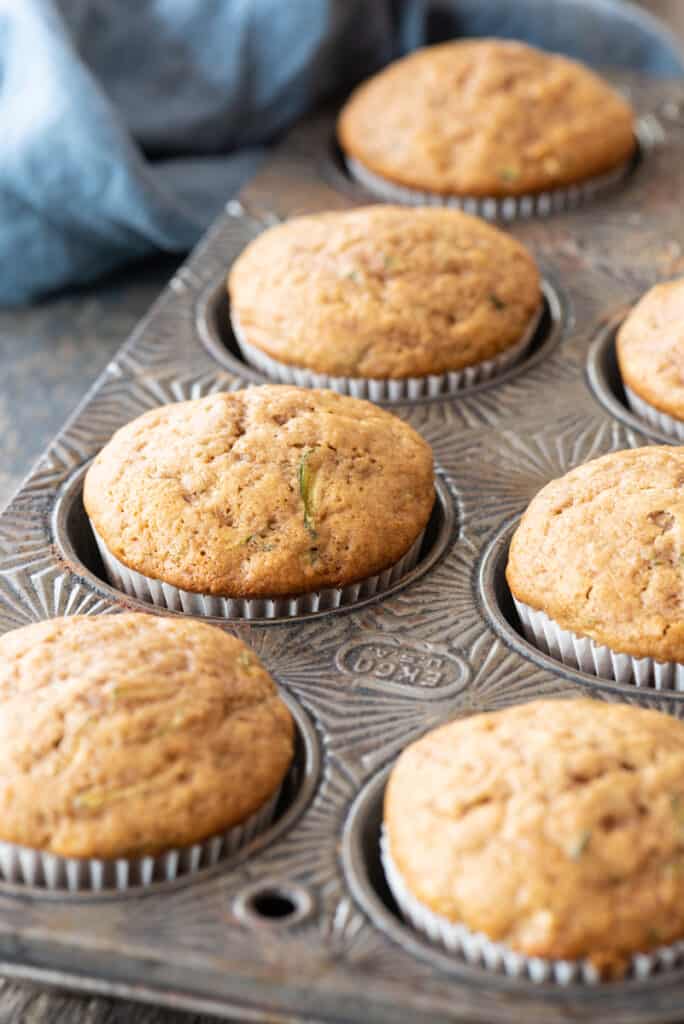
column 444, row 521
column 549, row 333
column 365, row 892
column 601, row 351
column 303, row 778
column 490, row 564
column 336, row 169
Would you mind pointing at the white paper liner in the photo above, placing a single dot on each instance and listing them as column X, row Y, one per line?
column 583, row 653
column 39, row 869
column 381, row 389
column 538, row 204
column 480, row 951
column 164, row 595
column 660, row 420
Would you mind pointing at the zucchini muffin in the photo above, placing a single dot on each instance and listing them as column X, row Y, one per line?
column 650, row 355
column 486, row 117
column 123, row 736
column 553, row 828
column 599, row 554
column 384, row 292
column 264, row 492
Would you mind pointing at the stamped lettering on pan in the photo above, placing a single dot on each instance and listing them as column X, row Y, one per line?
column 393, row 663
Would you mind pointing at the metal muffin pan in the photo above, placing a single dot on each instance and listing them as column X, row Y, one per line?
column 300, row 927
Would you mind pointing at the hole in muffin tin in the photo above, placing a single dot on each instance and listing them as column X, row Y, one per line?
column 362, row 866
column 273, row 903
column 296, row 793
column 73, row 535
column 496, row 603
column 504, row 208
column 216, row 333
column 606, row 382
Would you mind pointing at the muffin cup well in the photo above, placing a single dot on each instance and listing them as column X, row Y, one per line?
column 40, row 869
column 538, row 204
column 654, row 417
column 480, row 951
column 164, row 595
column 383, row 389
column 583, row 653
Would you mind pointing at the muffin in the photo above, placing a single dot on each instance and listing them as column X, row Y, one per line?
column 596, row 567
column 133, row 748
column 226, row 504
column 650, row 355
column 548, row 830
column 485, row 118
column 387, row 294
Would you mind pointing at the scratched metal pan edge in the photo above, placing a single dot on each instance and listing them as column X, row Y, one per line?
column 374, row 678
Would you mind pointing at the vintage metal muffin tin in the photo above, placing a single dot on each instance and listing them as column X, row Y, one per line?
column 300, row 927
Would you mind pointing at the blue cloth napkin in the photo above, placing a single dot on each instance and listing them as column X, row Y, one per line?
column 126, row 125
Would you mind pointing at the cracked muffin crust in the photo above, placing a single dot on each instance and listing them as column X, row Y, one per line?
column 384, row 292
column 601, row 551
column 556, row 827
column 269, row 491
column 486, row 118
column 123, row 735
column 650, row 348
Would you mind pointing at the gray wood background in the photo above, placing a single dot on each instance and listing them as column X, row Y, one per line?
column 50, row 353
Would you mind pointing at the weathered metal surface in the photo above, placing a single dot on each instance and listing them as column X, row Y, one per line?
column 370, row 679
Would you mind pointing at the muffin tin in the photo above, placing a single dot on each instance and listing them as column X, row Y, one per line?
column 300, row 925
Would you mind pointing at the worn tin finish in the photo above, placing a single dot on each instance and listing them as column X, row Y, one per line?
column 301, row 927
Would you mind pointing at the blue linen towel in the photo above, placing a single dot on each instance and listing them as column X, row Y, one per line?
column 126, row 124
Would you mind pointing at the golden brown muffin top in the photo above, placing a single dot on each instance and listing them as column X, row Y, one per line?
column 556, row 827
column 486, row 117
column 123, row 735
column 384, row 291
column 650, row 348
column 268, row 491
column 601, row 551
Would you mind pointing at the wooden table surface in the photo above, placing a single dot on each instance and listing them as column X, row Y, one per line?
column 56, row 349
column 671, row 11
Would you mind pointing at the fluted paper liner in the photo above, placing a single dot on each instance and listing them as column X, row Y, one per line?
column 40, row 869
column 537, row 204
column 164, row 595
column 480, row 951
column 377, row 389
column 583, row 653
column 660, row 420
